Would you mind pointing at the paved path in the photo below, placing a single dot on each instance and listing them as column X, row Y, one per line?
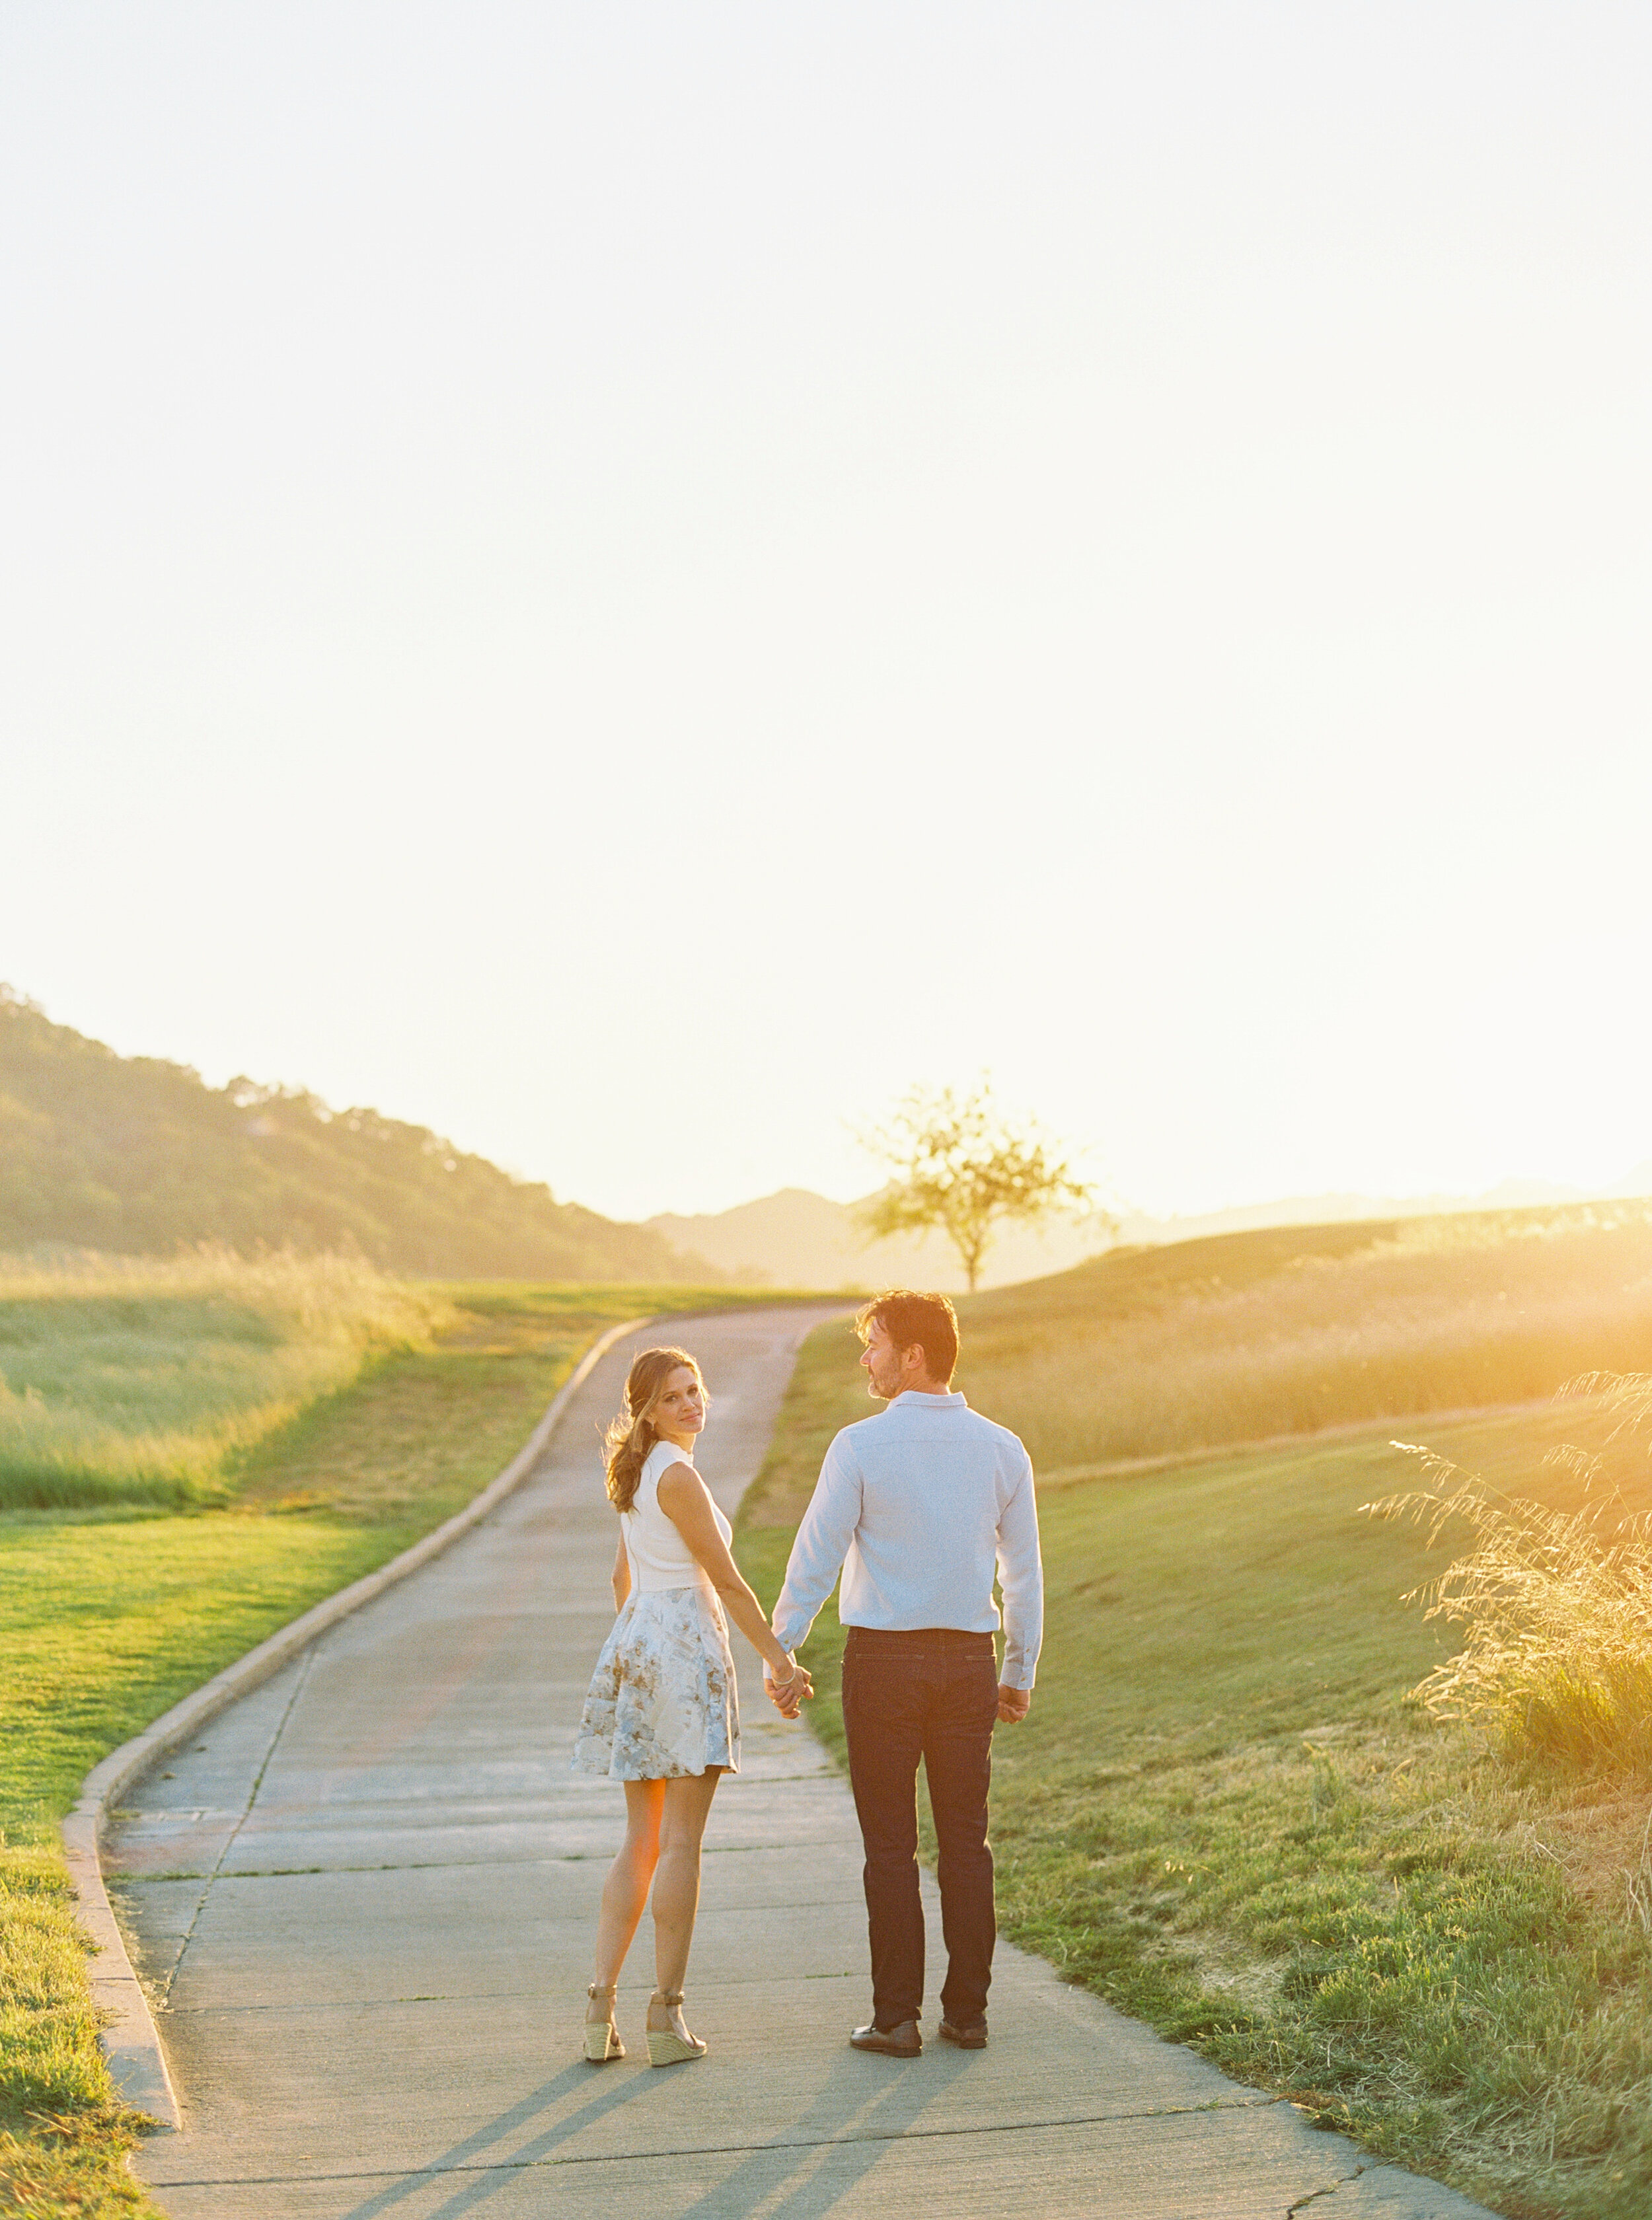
column 367, row 1897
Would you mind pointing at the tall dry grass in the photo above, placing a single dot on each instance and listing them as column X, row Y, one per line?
column 134, row 1379
column 1248, row 1337
column 1556, row 1600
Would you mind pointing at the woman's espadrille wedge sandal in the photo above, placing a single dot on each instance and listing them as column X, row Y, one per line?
column 666, row 2046
column 601, row 2036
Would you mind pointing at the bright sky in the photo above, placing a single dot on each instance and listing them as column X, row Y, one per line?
column 625, row 582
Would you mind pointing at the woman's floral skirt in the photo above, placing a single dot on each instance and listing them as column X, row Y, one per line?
column 662, row 1701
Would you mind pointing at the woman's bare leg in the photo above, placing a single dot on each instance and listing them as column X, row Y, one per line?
column 626, row 1890
column 676, row 1883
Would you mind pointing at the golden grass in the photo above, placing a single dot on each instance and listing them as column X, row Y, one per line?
column 316, row 1289
column 1243, row 1337
column 1557, row 1601
column 135, row 1379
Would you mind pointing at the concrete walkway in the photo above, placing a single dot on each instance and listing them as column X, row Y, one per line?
column 366, row 1899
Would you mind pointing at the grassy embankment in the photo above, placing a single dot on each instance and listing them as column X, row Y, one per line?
column 1224, row 1813
column 191, row 1454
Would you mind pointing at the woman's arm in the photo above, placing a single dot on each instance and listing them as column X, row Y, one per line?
column 682, row 1497
column 621, row 1573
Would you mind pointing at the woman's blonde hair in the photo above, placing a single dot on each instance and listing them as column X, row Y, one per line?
column 633, row 1433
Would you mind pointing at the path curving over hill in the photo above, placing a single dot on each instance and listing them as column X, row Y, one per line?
column 366, row 1897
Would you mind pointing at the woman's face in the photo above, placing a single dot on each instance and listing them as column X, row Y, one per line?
column 681, row 1409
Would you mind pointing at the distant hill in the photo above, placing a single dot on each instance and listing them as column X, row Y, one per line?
column 796, row 1238
column 136, row 1155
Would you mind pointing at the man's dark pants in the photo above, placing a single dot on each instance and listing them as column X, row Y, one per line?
column 931, row 1695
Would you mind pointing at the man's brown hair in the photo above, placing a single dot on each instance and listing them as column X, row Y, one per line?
column 914, row 1321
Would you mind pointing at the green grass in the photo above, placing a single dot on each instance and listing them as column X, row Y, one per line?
column 1225, row 1816
column 109, row 1613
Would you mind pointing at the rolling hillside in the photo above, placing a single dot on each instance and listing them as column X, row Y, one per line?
column 796, row 1238
column 799, row 1239
column 134, row 1155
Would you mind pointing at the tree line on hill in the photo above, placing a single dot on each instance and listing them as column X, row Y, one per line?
column 136, row 1156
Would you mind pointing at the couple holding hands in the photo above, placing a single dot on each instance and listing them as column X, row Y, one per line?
column 920, row 1507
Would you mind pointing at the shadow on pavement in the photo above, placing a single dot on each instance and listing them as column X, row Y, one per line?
column 845, row 2122
column 618, row 2089
column 850, row 2114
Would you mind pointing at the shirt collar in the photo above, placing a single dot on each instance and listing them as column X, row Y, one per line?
column 950, row 1400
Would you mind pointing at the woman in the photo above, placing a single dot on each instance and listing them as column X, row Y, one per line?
column 663, row 1715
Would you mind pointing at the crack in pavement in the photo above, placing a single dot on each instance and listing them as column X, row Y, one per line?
column 1314, row 2195
column 473, row 1812
column 125, row 1878
column 299, row 1683
column 463, row 1996
column 724, row 2150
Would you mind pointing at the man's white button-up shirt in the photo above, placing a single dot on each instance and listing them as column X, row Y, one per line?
column 920, row 1504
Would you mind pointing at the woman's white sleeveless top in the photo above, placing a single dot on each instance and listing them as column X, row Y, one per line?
column 660, row 1558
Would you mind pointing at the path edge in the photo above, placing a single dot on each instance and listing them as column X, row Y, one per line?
column 128, row 2036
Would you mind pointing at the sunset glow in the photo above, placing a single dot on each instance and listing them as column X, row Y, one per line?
column 627, row 585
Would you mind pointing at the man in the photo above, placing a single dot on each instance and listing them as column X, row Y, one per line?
column 919, row 1505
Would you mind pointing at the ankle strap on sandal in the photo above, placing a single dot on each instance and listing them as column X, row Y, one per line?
column 666, row 1997
column 596, row 1989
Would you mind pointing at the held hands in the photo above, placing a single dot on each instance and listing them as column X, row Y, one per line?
column 1013, row 1704
column 787, row 1692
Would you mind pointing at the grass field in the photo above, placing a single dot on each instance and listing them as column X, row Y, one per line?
column 130, row 1380
column 1241, row 1337
column 303, row 1465
column 1224, row 1813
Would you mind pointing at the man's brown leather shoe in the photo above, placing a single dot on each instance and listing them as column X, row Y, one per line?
column 968, row 2034
column 902, row 2041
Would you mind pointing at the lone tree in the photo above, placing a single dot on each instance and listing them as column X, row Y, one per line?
column 959, row 1164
